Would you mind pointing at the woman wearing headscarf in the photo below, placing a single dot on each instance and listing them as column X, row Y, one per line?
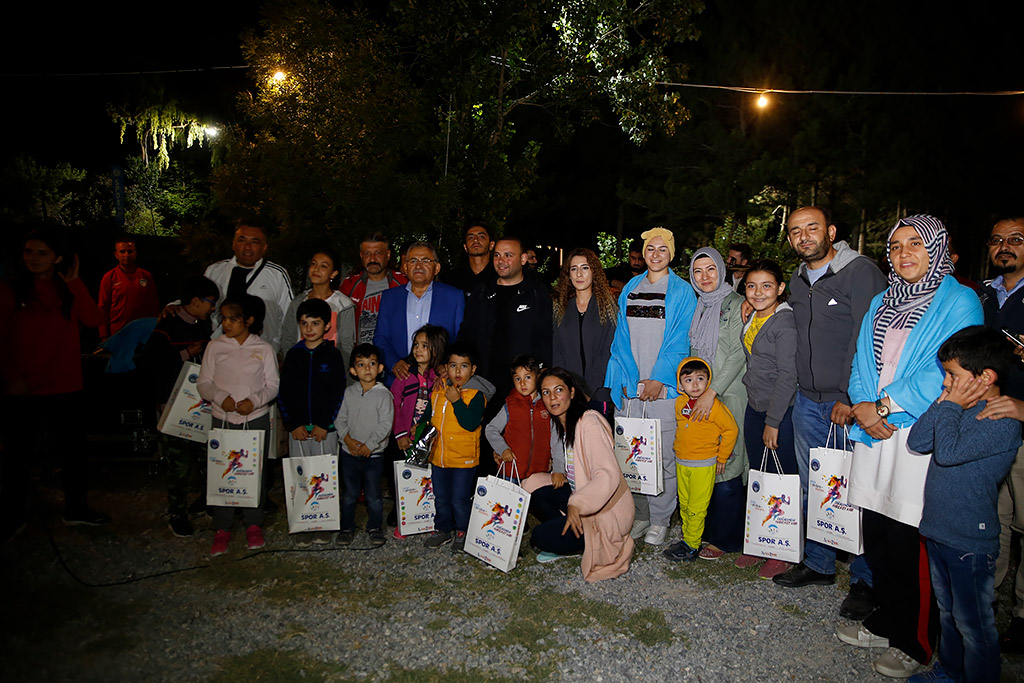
column 715, row 337
column 895, row 377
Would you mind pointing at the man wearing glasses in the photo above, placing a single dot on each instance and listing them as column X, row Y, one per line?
column 403, row 310
column 1003, row 301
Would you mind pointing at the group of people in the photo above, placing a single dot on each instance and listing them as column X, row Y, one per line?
column 737, row 363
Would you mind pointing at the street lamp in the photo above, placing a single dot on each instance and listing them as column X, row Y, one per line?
column 762, row 101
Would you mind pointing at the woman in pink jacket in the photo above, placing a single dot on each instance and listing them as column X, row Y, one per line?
column 582, row 503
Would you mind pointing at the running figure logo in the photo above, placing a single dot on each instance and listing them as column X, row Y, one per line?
column 497, row 512
column 635, row 443
column 234, row 461
column 428, row 489
column 834, row 484
column 316, row 486
column 775, row 504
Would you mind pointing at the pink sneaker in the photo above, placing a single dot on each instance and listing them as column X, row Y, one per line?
column 773, row 568
column 744, row 561
column 398, row 534
column 710, row 552
column 254, row 537
column 220, row 543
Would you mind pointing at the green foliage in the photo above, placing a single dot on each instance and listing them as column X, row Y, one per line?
column 159, row 128
column 31, row 192
column 159, row 203
column 612, row 250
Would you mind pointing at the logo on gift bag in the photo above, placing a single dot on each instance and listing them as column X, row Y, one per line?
column 316, row 487
column 755, row 487
column 635, row 446
column 406, row 474
column 815, row 465
column 498, row 512
column 193, row 378
column 214, row 444
column 235, row 459
column 426, row 489
column 775, row 508
column 833, row 493
column 481, row 490
column 618, row 430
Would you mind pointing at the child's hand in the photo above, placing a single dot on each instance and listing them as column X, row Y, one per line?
column 404, row 443
column 452, row 394
column 507, row 455
column 363, row 451
column 770, row 437
column 964, row 392
column 195, row 348
column 558, row 480
column 719, row 468
column 300, row 434
column 1002, row 406
column 319, row 433
column 244, row 407
column 228, row 405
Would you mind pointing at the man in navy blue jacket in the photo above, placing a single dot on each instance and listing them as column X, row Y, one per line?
column 403, row 310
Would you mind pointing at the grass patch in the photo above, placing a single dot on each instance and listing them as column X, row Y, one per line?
column 792, row 609
column 438, row 624
column 712, row 574
column 276, row 666
column 648, row 626
column 450, row 676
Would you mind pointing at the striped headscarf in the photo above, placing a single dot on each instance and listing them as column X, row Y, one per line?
column 904, row 302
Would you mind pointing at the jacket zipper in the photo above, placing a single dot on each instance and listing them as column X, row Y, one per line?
column 529, row 459
column 309, row 390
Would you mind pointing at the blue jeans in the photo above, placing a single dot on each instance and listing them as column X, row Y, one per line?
column 358, row 473
column 964, row 585
column 811, row 423
column 453, row 497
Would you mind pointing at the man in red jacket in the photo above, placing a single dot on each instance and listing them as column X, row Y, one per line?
column 366, row 286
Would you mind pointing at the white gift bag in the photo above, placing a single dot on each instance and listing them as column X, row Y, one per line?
column 831, row 519
column 414, row 498
column 496, row 521
column 186, row 414
column 773, row 528
column 312, row 490
column 638, row 450
column 234, row 465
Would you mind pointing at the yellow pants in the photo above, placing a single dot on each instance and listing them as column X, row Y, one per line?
column 694, row 485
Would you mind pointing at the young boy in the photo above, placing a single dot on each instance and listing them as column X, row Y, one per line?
column 456, row 409
column 364, row 424
column 702, row 449
column 521, row 432
column 970, row 458
column 175, row 340
column 312, row 385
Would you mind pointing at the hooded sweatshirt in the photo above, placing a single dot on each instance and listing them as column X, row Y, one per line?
column 702, row 444
column 458, row 424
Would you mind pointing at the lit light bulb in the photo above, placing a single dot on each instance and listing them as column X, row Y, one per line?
column 279, row 76
column 212, row 131
column 762, row 101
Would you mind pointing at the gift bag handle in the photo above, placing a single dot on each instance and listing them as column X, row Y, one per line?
column 831, row 439
column 629, row 405
column 775, row 457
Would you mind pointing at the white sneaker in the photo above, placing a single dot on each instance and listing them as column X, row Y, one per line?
column 640, row 527
column 896, row 663
column 858, row 636
column 656, row 535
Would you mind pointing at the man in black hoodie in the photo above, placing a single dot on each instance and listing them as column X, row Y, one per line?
column 830, row 292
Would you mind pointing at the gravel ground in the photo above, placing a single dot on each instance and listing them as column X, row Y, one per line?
column 401, row 612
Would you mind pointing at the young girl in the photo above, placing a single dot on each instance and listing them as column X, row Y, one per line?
column 323, row 274
column 239, row 377
column 522, row 431
column 412, row 394
column 769, row 343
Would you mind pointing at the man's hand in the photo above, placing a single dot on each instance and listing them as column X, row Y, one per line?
column 745, row 310
column 558, row 480
column 401, row 369
column 319, row 433
column 244, row 407
column 1002, row 406
column 300, row 434
column 964, row 392
column 573, row 521
column 228, row 405
column 702, row 408
column 169, row 311
column 195, row 348
column 652, row 390
column 770, row 436
column 842, row 414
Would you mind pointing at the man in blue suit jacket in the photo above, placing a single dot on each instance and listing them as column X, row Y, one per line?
column 403, row 310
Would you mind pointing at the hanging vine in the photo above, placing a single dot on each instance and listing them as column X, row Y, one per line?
column 158, row 128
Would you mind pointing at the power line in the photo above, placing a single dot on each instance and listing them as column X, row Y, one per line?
column 906, row 93
column 124, row 73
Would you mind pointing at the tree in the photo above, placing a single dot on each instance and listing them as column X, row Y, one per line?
column 59, row 194
column 159, row 128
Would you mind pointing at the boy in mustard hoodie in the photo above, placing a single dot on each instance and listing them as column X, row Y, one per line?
column 702, row 449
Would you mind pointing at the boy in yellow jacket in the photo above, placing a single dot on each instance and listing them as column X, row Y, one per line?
column 702, row 449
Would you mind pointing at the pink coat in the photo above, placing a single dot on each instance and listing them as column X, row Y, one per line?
column 602, row 498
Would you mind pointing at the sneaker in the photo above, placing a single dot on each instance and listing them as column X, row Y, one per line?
column 934, row 675
column 680, row 552
column 254, row 537
column 398, row 534
column 322, row 537
column 85, row 517
column 640, row 528
column 198, row 507
column 377, row 538
column 303, row 540
column 895, row 663
column 859, row 602
column 801, row 575
column 459, row 541
column 436, row 539
column 744, row 561
column 345, row 538
column 772, row 569
column 858, row 636
column 656, row 535
column 544, row 557
column 180, row 526
column 710, row 552
column 220, row 543
column 1012, row 640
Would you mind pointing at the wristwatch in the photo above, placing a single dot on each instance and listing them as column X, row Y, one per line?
column 881, row 409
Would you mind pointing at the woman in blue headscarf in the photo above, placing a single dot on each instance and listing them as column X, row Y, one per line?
column 895, row 377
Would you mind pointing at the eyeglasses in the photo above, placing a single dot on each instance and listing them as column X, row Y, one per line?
column 416, row 261
column 212, row 302
column 1012, row 240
